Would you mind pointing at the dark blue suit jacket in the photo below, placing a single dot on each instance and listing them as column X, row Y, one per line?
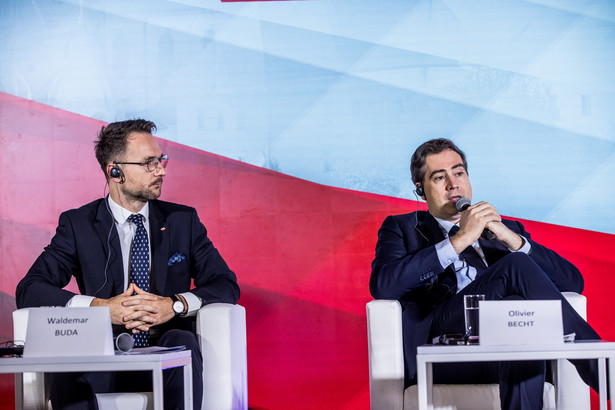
column 86, row 246
column 407, row 268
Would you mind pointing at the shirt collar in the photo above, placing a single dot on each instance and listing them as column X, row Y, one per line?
column 445, row 225
column 120, row 214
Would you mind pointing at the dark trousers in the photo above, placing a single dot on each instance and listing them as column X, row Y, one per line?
column 74, row 391
column 515, row 276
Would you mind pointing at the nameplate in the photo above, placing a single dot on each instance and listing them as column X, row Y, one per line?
column 56, row 331
column 520, row 322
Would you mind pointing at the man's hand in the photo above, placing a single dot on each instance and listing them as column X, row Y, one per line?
column 475, row 220
column 137, row 309
column 147, row 312
column 116, row 304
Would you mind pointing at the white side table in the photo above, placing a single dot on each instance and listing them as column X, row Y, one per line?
column 155, row 363
column 429, row 354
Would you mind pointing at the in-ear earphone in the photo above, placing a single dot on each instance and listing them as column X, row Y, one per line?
column 116, row 172
column 419, row 190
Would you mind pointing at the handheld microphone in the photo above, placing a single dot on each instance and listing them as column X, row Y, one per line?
column 124, row 342
column 462, row 204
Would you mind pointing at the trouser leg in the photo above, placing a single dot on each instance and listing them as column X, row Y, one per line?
column 77, row 391
column 174, row 378
column 514, row 276
column 517, row 276
column 522, row 384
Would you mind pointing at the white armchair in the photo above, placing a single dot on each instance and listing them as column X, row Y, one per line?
column 221, row 329
column 386, row 370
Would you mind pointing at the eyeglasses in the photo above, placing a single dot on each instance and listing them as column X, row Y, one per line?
column 151, row 164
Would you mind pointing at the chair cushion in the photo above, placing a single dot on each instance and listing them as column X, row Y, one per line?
column 469, row 397
column 125, row 401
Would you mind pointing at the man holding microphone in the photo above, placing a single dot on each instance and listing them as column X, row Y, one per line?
column 430, row 260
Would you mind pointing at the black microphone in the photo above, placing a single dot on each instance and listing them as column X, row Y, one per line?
column 124, row 342
column 462, row 204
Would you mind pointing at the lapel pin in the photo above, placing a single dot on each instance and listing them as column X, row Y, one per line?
column 164, row 228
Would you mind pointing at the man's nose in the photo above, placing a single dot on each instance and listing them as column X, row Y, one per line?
column 160, row 171
column 451, row 183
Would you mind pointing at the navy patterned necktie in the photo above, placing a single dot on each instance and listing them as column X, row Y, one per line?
column 139, row 267
column 469, row 254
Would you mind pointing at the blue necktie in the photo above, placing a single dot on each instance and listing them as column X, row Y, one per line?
column 139, row 267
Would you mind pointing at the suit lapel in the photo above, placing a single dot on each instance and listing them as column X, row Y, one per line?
column 107, row 233
column 446, row 284
column 429, row 228
column 160, row 247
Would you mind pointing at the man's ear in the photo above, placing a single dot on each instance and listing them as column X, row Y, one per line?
column 419, row 190
column 115, row 173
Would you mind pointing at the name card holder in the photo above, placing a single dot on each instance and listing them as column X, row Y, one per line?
column 520, row 322
column 60, row 331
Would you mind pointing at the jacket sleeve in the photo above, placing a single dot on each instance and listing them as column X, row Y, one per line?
column 402, row 264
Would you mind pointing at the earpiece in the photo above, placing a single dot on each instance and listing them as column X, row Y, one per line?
column 419, row 190
column 115, row 172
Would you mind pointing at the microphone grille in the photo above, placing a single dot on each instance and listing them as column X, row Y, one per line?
column 124, row 342
column 462, row 204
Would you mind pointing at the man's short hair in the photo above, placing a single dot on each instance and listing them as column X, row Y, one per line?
column 111, row 142
column 434, row 146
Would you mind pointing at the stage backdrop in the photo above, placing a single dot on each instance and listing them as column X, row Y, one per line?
column 290, row 124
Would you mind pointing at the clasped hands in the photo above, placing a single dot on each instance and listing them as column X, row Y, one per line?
column 477, row 218
column 137, row 310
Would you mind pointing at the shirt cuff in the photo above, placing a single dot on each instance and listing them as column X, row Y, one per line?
column 526, row 248
column 194, row 303
column 446, row 253
column 80, row 301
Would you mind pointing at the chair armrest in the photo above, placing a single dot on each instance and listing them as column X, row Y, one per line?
column 20, row 325
column 221, row 329
column 578, row 302
column 386, row 354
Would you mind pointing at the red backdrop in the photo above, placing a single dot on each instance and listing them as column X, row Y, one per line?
column 301, row 251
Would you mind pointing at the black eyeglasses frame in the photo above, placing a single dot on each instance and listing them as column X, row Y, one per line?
column 151, row 164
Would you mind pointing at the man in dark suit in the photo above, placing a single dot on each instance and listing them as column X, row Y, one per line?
column 151, row 297
column 430, row 260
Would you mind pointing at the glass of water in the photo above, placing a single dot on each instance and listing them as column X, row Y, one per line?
column 470, row 305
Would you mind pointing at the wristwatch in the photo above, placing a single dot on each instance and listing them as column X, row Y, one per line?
column 179, row 307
